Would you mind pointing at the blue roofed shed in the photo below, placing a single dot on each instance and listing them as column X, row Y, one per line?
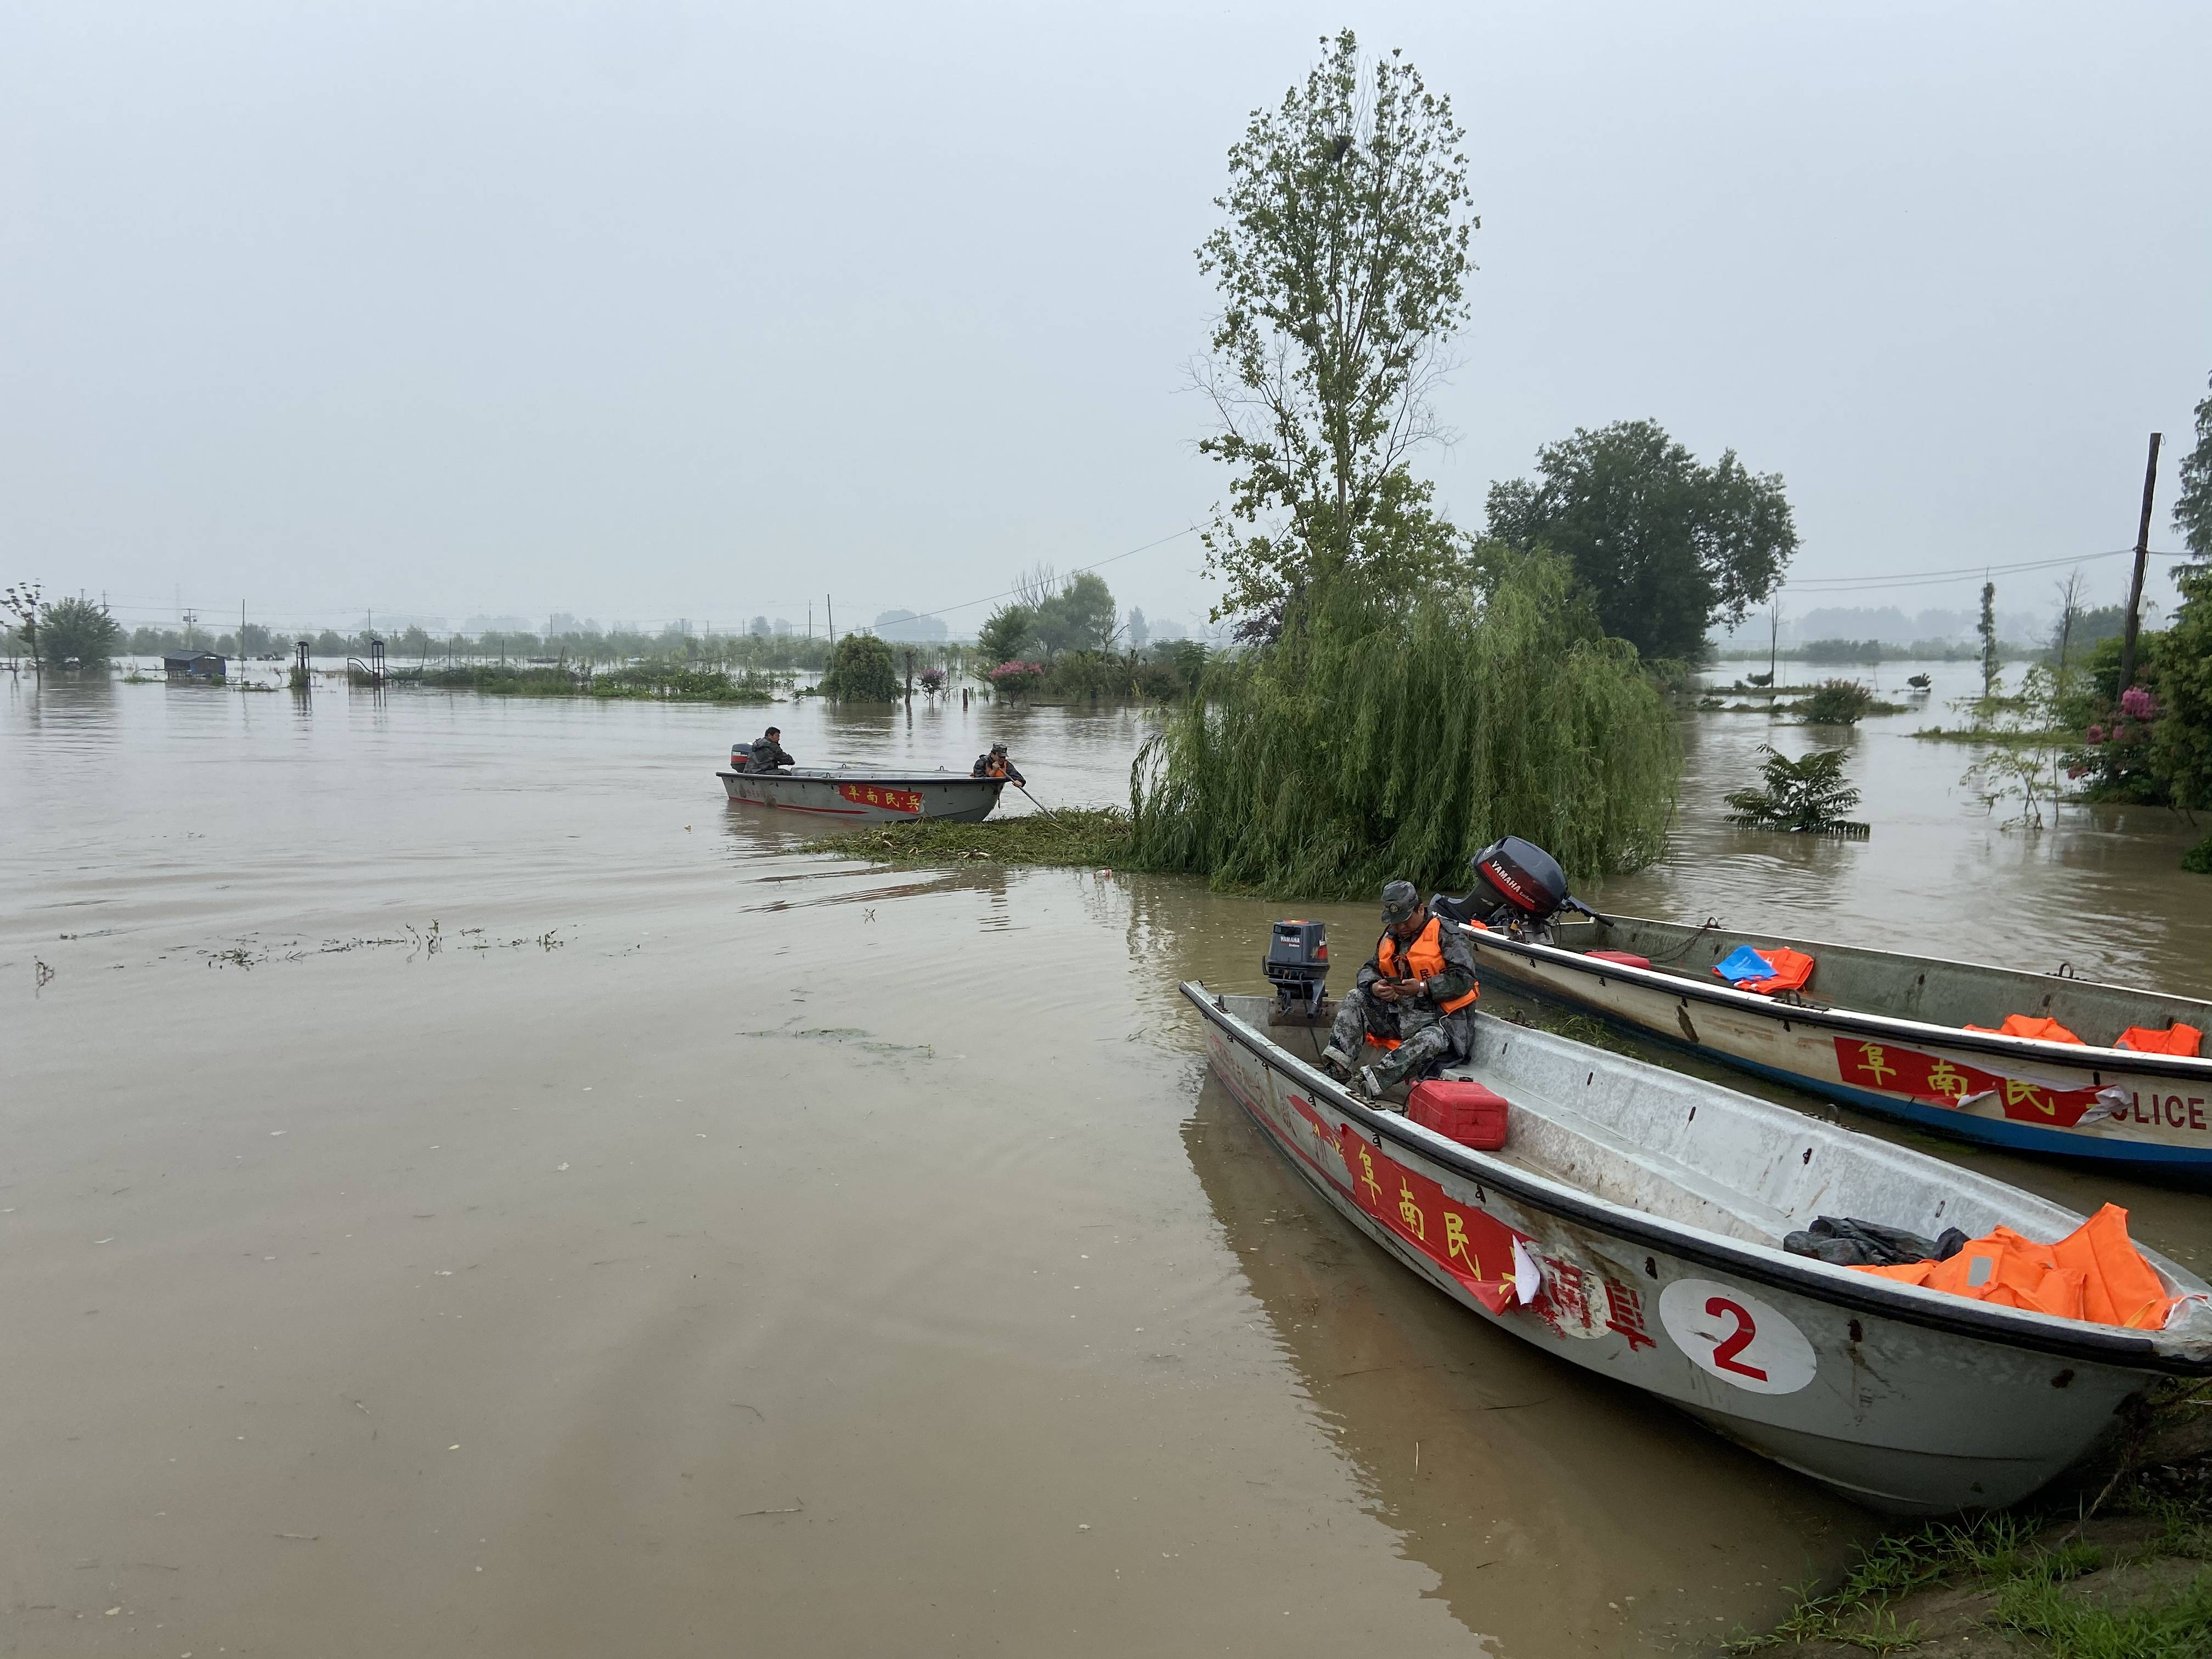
column 194, row 665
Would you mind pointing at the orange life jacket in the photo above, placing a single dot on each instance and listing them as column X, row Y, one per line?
column 2029, row 1026
column 2177, row 1039
column 2094, row 1273
column 1425, row 960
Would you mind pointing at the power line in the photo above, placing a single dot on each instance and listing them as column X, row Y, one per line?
column 1187, row 529
column 1963, row 573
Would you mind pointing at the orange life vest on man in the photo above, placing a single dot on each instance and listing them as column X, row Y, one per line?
column 1425, row 960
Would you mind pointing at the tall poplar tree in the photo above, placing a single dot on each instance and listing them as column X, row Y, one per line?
column 1341, row 268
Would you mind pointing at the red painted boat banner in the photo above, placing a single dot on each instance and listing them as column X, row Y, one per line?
column 1890, row 1070
column 874, row 794
column 1459, row 1241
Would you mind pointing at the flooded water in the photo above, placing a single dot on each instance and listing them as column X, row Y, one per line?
column 470, row 1190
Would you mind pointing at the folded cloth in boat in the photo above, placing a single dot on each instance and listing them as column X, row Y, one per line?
column 1768, row 970
column 2094, row 1273
column 2028, row 1026
column 1848, row 1242
column 2177, row 1039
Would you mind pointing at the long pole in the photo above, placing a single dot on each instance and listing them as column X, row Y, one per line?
column 831, row 610
column 2142, row 555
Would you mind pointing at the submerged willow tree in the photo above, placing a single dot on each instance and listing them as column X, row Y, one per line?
column 1382, row 738
column 1409, row 695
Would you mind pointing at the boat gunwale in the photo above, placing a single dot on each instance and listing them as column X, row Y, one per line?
column 820, row 775
column 1764, row 1264
column 2032, row 1050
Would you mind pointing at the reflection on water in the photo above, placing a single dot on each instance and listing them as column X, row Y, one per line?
column 798, row 1246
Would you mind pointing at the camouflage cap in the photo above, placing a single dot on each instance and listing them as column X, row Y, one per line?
column 1400, row 900
column 998, row 749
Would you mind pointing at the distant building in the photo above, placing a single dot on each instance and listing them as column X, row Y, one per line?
column 194, row 665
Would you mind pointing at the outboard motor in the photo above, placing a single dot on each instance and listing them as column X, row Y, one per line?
column 741, row 756
column 1519, row 888
column 1298, row 967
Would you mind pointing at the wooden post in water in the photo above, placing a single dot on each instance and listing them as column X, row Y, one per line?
column 910, row 675
column 2134, row 621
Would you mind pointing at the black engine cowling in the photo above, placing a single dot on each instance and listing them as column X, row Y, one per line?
column 1517, row 883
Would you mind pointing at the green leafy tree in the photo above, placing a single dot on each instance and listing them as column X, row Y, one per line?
column 1079, row 618
column 1005, row 632
column 1341, row 268
column 1393, row 738
column 861, row 670
column 78, row 629
column 23, row 602
column 1986, row 626
column 1669, row 547
column 1806, row 796
column 2193, row 508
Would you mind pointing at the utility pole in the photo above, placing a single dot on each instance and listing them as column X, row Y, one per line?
column 2142, row 555
column 832, row 611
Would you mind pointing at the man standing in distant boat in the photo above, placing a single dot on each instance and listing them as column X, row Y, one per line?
column 996, row 765
column 768, row 752
column 1414, row 997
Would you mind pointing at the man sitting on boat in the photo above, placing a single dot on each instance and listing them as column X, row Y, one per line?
column 996, row 765
column 1408, row 1009
column 769, row 751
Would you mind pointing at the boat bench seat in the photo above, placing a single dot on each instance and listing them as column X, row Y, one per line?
column 1550, row 1140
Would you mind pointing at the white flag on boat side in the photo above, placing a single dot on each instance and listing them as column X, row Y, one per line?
column 1527, row 1276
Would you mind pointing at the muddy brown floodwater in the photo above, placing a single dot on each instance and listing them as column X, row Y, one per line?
column 469, row 1190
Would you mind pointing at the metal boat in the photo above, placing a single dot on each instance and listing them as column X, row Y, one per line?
column 865, row 797
column 1882, row 1031
column 1632, row 1224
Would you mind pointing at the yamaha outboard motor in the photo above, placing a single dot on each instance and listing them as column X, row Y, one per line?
column 1519, row 888
column 1298, row 967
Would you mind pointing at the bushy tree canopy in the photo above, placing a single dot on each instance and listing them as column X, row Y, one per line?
column 1006, row 631
column 1340, row 268
column 80, row 630
column 861, row 670
column 2192, row 510
column 1668, row 546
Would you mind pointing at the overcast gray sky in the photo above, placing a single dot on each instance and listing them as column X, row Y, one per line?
column 657, row 308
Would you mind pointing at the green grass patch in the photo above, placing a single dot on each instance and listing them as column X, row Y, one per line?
column 1096, row 838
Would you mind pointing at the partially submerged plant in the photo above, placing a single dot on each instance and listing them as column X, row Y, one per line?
column 1837, row 702
column 1805, row 797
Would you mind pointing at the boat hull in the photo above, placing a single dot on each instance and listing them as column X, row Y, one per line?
column 2103, row 1105
column 1834, row 1375
column 868, row 797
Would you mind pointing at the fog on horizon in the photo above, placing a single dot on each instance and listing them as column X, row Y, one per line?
column 654, row 310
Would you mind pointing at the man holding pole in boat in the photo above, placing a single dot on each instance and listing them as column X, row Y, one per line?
column 996, row 765
column 1409, row 1006
column 769, row 751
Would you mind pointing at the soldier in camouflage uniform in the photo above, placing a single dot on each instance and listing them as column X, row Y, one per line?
column 1418, row 987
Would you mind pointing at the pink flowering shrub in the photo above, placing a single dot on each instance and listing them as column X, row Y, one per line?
column 2136, row 703
column 2096, row 734
column 1015, row 677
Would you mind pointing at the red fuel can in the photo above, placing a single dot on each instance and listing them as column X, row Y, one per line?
column 1470, row 1114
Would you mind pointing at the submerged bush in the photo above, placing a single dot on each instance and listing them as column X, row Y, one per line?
column 1385, row 737
column 1837, row 702
column 861, row 670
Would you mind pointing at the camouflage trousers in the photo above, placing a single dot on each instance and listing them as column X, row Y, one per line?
column 1426, row 1039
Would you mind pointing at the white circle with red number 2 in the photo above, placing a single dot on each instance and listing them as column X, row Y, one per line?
column 1738, row 1338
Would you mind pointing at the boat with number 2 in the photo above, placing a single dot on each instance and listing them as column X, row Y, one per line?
column 1632, row 1224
